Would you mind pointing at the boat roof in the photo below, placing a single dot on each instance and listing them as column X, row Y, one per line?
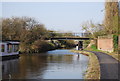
column 10, row 41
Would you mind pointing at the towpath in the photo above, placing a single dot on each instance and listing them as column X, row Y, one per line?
column 108, row 66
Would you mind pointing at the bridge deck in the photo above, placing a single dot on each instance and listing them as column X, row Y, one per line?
column 69, row 38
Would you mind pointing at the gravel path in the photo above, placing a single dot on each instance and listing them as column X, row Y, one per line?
column 108, row 66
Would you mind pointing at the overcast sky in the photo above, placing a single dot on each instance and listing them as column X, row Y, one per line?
column 60, row 16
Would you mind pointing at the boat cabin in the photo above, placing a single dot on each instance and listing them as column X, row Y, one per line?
column 8, row 48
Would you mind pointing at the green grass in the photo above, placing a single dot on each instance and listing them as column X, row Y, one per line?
column 93, row 48
column 113, row 54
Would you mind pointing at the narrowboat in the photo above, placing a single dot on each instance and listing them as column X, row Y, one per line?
column 9, row 49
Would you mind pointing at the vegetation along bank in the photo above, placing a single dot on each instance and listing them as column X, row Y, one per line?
column 93, row 71
column 31, row 35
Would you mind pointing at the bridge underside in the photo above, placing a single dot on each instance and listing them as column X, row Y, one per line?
column 64, row 38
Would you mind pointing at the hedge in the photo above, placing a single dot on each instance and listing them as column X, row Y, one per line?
column 115, row 42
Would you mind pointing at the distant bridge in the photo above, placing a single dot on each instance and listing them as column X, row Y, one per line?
column 69, row 36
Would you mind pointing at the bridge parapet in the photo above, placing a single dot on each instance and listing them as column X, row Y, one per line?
column 68, row 36
column 75, row 35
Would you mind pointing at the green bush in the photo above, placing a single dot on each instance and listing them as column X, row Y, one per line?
column 94, row 47
column 115, row 42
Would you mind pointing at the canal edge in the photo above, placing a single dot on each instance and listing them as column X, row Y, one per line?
column 93, row 70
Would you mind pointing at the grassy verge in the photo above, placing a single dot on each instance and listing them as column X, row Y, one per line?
column 93, row 71
column 114, row 55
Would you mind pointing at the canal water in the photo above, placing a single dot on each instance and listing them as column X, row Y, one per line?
column 56, row 64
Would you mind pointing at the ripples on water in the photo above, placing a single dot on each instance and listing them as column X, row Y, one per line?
column 56, row 64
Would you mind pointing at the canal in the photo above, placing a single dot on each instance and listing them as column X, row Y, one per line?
column 56, row 64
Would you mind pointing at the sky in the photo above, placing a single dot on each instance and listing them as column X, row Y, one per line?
column 59, row 16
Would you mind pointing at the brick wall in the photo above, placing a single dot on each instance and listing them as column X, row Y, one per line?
column 105, row 44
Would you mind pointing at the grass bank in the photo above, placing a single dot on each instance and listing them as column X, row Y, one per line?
column 93, row 71
column 113, row 54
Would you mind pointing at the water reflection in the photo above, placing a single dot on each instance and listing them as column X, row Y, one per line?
column 57, row 64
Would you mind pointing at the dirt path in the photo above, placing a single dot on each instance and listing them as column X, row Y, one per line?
column 108, row 66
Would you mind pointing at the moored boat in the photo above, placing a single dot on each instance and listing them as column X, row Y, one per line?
column 9, row 49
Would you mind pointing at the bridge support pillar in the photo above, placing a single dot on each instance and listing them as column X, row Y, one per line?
column 80, row 45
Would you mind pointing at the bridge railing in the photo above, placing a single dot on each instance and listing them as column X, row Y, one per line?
column 69, row 35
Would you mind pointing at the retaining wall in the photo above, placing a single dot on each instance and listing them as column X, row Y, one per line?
column 105, row 43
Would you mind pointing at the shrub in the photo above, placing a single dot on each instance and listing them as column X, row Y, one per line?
column 115, row 42
column 42, row 46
